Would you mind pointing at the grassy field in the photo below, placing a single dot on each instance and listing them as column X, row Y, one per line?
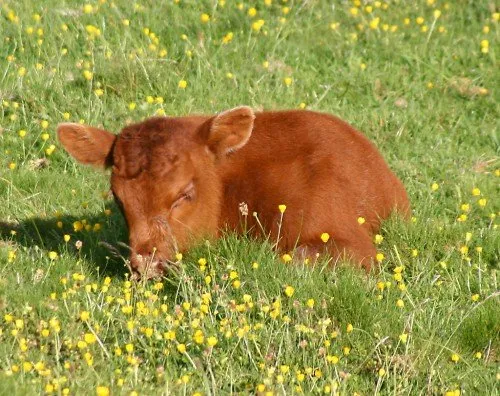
column 420, row 78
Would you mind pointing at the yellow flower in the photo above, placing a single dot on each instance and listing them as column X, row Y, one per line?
column 420, row 20
column 282, row 208
column 288, row 81
column 289, row 290
column 88, row 9
column 476, row 192
column 454, row 357
column 212, row 341
column 378, row 239
column 310, row 303
column 257, row 25
column 87, row 75
column 181, row 348
column 228, row 38
column 325, row 237
column 380, row 257
column 78, row 226
column 84, row 315
column 434, row 187
column 22, row 133
column 403, row 337
column 485, row 46
column 233, row 275
column 482, row 202
column 332, row 359
column 27, row 366
column 198, row 337
column 102, row 391
column 381, row 372
column 349, row 328
column 252, row 12
column 182, row 84
column 475, row 297
column 400, row 303
column 89, row 338
column 52, row 255
column 286, row 258
column 204, row 18
column 361, row 220
column 49, row 150
column 12, row 165
column 374, row 23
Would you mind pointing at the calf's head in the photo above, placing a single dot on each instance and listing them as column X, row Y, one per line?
column 164, row 177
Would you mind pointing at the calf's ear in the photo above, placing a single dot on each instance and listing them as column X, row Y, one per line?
column 88, row 145
column 229, row 130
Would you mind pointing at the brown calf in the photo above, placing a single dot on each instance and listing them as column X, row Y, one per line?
column 178, row 180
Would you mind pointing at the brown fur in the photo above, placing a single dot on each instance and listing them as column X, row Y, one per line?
column 182, row 179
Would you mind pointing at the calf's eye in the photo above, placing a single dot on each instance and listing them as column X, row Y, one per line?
column 186, row 194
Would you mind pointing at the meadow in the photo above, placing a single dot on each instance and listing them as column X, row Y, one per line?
column 419, row 78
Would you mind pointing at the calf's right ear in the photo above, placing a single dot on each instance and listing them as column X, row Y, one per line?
column 88, row 145
column 229, row 130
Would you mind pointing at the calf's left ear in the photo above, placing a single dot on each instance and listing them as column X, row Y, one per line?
column 88, row 145
column 230, row 130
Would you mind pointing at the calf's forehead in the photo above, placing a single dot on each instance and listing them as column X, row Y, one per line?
column 154, row 143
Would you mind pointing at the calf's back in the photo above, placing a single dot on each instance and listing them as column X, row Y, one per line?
column 326, row 173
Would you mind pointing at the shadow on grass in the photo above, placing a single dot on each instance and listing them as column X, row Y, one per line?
column 104, row 248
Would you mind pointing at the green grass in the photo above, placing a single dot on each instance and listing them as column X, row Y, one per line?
column 426, row 94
